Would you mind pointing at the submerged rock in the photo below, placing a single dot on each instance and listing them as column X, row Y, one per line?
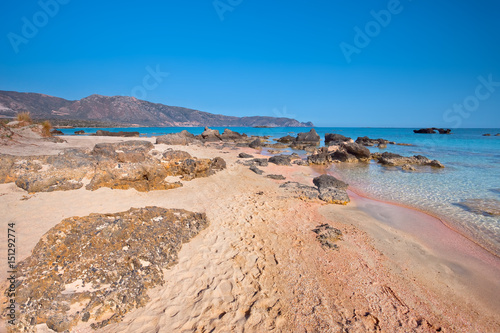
column 391, row 159
column 99, row 267
column 486, row 207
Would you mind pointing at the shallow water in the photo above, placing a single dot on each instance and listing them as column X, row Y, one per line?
column 472, row 172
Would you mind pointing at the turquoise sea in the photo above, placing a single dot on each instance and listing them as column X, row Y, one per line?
column 472, row 171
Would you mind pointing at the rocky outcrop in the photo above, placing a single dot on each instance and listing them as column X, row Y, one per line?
column 306, row 139
column 366, row 141
column 120, row 133
column 336, row 139
column 432, row 130
column 346, row 152
column 210, row 135
column 286, row 139
column 329, row 189
column 229, row 135
column 80, row 132
column 332, row 190
column 182, row 138
column 99, row 267
column 122, row 165
column 56, row 132
column 281, row 160
column 390, row 159
column 357, row 150
column 255, row 144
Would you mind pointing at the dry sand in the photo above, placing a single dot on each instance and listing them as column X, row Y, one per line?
column 258, row 267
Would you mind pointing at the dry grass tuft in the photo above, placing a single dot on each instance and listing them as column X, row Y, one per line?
column 24, row 117
column 46, row 127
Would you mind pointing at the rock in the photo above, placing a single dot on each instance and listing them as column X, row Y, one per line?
column 245, row 155
column 276, row 177
column 256, row 144
column 80, row 132
column 123, row 165
column 56, row 132
column 210, row 135
column 121, row 133
column 361, row 152
column 382, row 145
column 286, row 139
column 182, row 138
column 332, row 190
column 328, row 236
column 99, row 267
column 327, row 181
column 432, row 130
column 408, row 167
column 310, row 137
column 498, row 134
column 335, row 196
column 366, row 141
column 321, row 157
column 486, row 207
column 229, row 135
column 342, row 155
column 256, row 170
column 301, row 191
column 261, row 162
column 280, row 160
column 336, row 139
column 487, row 134
column 301, row 162
column 272, row 151
column 390, row 159
column 276, row 145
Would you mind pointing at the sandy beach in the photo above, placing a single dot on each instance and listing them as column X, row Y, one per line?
column 259, row 267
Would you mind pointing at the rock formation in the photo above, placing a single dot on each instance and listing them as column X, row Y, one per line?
column 97, row 268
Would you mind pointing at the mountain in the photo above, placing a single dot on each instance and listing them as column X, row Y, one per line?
column 125, row 110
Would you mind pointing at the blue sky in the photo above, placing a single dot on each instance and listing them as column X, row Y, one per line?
column 270, row 58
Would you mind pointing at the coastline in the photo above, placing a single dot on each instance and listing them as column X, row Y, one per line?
column 259, row 237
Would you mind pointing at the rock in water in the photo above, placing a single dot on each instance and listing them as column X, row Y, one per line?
column 335, row 139
column 99, row 267
column 486, row 207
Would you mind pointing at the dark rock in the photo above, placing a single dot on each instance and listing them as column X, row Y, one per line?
column 286, row 139
column 56, row 132
column 121, row 133
column 310, row 137
column 80, row 132
column 327, row 181
column 357, row 150
column 487, row 134
column 301, row 162
column 321, row 157
column 335, row 139
column 119, row 256
column 328, row 236
column 342, row 155
column 256, row 144
column 256, row 170
column 276, row 177
column 229, row 135
column 498, row 134
column 280, row 160
column 432, row 130
column 245, row 155
column 183, row 138
column 261, row 162
column 366, row 141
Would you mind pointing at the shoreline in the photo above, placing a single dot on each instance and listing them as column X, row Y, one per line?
column 446, row 221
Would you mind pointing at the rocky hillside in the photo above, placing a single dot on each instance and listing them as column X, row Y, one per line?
column 125, row 110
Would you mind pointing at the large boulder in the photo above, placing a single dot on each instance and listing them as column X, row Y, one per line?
column 210, row 135
column 332, row 190
column 286, row 139
column 229, row 135
column 357, row 150
column 391, row 159
column 280, row 160
column 98, row 267
column 256, row 144
column 366, row 141
column 327, row 181
column 183, row 138
column 336, row 139
column 433, row 130
column 306, row 139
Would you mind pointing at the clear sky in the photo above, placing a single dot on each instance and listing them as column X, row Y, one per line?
column 333, row 62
